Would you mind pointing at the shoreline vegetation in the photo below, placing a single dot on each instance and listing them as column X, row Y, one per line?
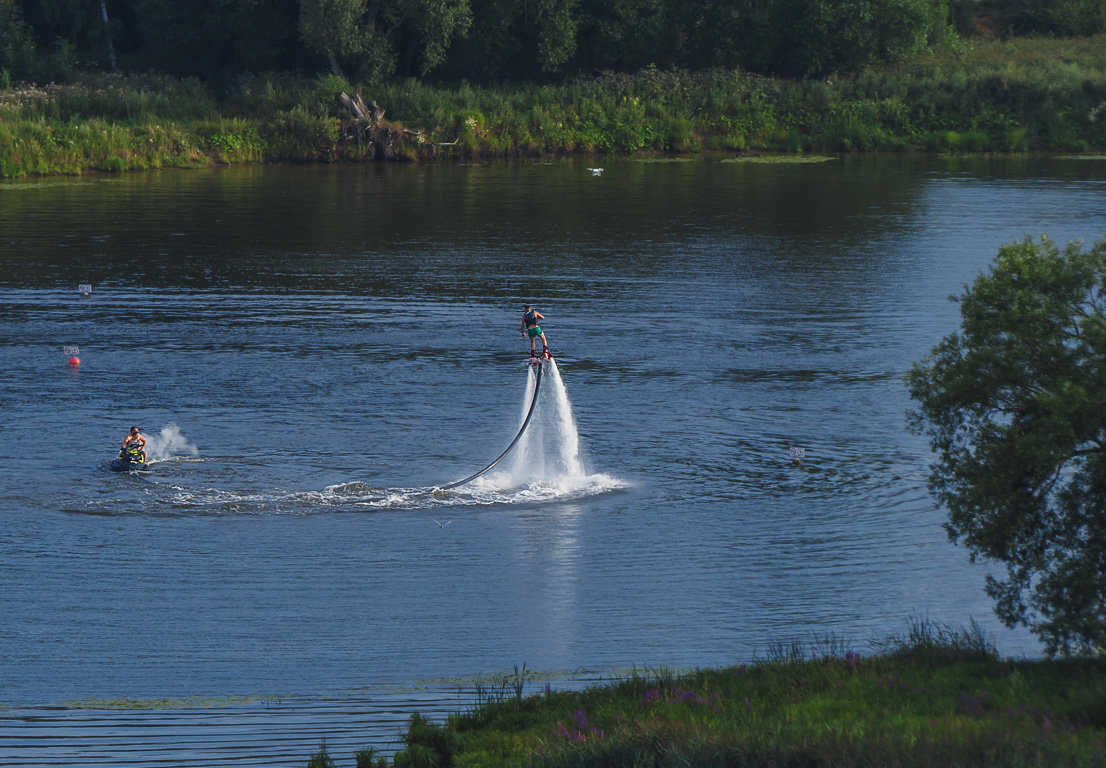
column 1015, row 95
column 933, row 696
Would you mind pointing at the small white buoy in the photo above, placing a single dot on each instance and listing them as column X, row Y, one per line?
column 595, row 171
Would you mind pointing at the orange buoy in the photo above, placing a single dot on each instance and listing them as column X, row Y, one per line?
column 74, row 361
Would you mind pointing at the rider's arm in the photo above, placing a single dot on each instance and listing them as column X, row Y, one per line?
column 539, row 315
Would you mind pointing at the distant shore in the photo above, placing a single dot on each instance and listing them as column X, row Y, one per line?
column 1012, row 96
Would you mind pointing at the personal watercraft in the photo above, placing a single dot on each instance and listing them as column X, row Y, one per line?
column 130, row 459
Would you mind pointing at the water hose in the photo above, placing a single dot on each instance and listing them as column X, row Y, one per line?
column 525, row 422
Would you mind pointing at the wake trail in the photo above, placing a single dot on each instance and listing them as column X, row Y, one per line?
column 543, row 463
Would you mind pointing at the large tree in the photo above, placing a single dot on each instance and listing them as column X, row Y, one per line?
column 1015, row 406
column 370, row 39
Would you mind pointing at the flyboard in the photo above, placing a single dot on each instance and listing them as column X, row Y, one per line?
column 536, row 362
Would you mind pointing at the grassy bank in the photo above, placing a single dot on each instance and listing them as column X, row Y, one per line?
column 933, row 698
column 990, row 96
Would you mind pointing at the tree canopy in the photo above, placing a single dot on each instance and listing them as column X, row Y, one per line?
column 1015, row 406
column 495, row 40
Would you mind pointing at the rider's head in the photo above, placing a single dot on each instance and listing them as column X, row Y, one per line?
column 134, row 430
column 526, row 307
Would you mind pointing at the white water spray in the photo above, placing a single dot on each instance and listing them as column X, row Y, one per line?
column 567, row 438
column 527, row 452
column 169, row 444
column 549, row 451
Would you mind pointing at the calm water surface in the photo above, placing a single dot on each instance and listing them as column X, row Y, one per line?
column 308, row 346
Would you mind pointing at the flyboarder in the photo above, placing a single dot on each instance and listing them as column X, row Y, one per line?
column 531, row 328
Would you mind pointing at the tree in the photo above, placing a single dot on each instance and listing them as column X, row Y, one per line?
column 17, row 47
column 212, row 39
column 1066, row 18
column 1015, row 407
column 513, row 40
column 819, row 37
column 374, row 38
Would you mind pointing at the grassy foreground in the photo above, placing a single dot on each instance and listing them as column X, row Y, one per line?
column 935, row 697
column 986, row 96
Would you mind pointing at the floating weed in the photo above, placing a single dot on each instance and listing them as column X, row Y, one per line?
column 779, row 159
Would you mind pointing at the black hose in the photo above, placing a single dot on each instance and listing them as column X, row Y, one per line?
column 525, row 422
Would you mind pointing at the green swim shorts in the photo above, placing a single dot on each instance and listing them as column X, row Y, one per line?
column 534, row 332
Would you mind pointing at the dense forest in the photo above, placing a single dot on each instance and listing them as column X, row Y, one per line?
column 499, row 41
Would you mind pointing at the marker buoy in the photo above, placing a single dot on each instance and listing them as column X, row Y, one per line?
column 75, row 361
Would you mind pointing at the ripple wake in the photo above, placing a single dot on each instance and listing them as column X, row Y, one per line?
column 544, row 464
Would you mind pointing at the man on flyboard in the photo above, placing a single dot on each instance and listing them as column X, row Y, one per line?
column 531, row 328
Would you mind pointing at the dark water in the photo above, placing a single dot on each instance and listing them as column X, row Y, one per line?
column 307, row 347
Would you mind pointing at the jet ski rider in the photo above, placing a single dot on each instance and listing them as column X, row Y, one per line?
column 531, row 328
column 135, row 439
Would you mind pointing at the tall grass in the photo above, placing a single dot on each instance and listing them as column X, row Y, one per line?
column 934, row 695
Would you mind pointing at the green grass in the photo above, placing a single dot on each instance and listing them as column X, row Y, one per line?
column 932, row 697
column 1010, row 96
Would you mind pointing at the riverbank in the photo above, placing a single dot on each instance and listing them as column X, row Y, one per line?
column 1017, row 95
column 933, row 697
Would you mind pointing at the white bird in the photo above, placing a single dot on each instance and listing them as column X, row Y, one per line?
column 595, row 171
column 442, row 525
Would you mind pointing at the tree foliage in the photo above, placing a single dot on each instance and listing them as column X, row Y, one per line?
column 1015, row 406
column 17, row 48
column 371, row 38
column 478, row 39
column 500, row 40
column 1066, row 18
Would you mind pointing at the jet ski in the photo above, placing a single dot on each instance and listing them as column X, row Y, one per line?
column 130, row 459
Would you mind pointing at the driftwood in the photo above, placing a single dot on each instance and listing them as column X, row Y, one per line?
column 356, row 105
column 385, row 141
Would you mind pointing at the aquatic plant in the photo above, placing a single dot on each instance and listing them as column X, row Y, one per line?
column 321, row 759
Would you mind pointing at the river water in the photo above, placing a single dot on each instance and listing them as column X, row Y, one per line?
column 311, row 350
